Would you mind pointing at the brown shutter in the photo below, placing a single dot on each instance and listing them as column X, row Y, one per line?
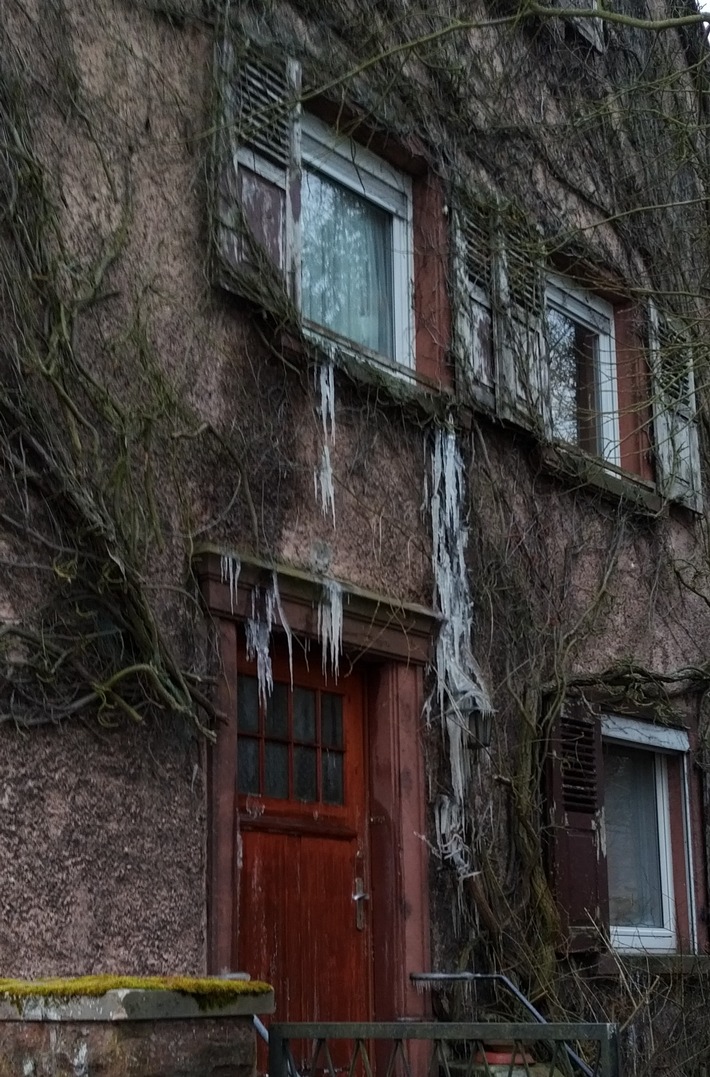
column 473, row 322
column 578, row 853
column 633, row 391
column 256, row 206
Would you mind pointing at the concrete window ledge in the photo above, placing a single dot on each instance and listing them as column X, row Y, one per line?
column 130, row 1028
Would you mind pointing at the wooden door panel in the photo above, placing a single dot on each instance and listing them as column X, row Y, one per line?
column 299, row 856
column 298, row 925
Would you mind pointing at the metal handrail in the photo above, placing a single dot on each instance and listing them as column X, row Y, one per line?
column 429, row 978
column 320, row 1033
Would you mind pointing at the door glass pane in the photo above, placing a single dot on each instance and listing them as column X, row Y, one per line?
column 347, row 264
column 331, row 709
column 276, row 770
column 633, row 847
column 277, row 712
column 304, row 773
column 247, row 705
column 573, row 352
column 332, row 778
column 304, row 715
column 248, row 765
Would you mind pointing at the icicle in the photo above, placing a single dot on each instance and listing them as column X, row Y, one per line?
column 323, row 484
column 451, row 835
column 326, row 406
column 229, row 569
column 459, row 687
column 264, row 601
column 330, row 625
column 258, row 636
column 284, row 623
column 323, row 474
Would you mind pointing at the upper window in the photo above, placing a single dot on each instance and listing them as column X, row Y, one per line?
column 356, row 243
column 581, row 355
column 613, row 381
column 313, row 226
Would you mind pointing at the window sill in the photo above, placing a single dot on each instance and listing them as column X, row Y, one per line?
column 657, row 964
column 578, row 468
column 401, row 385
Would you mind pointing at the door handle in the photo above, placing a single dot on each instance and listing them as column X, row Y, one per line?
column 360, row 897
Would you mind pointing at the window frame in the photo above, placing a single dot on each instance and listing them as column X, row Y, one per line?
column 341, row 159
column 662, row 743
column 596, row 314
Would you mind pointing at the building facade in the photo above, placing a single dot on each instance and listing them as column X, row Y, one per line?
column 355, row 592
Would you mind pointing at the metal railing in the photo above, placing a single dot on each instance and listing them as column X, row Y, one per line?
column 434, row 1049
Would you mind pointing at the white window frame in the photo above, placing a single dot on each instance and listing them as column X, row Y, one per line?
column 345, row 161
column 661, row 741
column 596, row 314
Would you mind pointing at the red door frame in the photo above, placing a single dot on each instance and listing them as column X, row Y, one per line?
column 397, row 648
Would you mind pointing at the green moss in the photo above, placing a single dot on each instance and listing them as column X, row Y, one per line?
column 207, row 991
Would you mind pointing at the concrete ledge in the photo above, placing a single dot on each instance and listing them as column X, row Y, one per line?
column 130, row 1027
column 129, row 1004
column 130, row 999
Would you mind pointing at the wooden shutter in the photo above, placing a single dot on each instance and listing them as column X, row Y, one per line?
column 578, row 848
column 473, row 326
column 675, row 424
column 257, row 173
column 519, row 314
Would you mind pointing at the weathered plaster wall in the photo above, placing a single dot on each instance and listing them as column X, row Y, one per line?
column 101, row 851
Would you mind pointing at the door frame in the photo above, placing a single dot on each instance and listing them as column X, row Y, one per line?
column 393, row 641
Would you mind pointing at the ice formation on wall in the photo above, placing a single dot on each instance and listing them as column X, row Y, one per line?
column 330, row 625
column 459, row 687
column 258, row 628
column 229, row 569
column 450, row 834
column 323, row 474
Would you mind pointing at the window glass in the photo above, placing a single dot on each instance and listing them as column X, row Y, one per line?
column 574, row 381
column 633, row 846
column 347, row 283
column 292, row 746
column 277, row 712
column 248, row 705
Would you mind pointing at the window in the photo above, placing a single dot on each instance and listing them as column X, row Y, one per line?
column 581, row 356
column 620, row 814
column 313, row 226
column 292, row 746
column 356, row 243
column 609, row 381
column 638, row 758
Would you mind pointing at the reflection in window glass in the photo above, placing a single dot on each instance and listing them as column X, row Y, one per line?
column 304, row 774
column 304, row 715
column 347, row 282
column 277, row 712
column 633, row 847
column 247, row 705
column 276, row 770
column 573, row 351
column 332, row 778
column 331, row 707
column 248, row 765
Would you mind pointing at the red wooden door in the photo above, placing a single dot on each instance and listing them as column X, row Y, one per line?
column 302, row 851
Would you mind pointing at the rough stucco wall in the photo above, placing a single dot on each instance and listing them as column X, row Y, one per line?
column 101, row 852
column 150, row 80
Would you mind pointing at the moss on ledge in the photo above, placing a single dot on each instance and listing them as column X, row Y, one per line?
column 206, row 991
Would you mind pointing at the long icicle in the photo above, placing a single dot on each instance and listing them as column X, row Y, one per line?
column 323, row 474
column 459, row 688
